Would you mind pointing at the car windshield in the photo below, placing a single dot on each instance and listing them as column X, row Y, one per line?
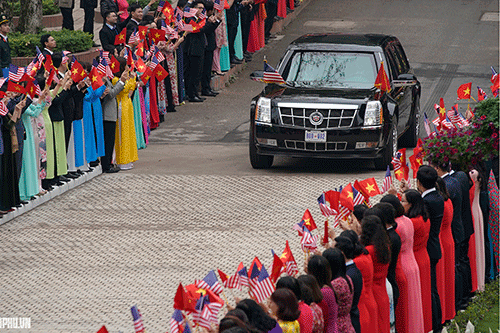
column 332, row 70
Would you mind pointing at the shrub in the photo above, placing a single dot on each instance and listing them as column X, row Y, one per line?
column 48, row 8
column 23, row 45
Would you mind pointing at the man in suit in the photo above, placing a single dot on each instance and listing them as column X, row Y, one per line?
column 48, row 44
column 213, row 22
column 455, row 192
column 66, row 7
column 194, row 51
column 462, row 249
column 109, row 30
column 135, row 14
column 5, row 59
column 434, row 203
column 110, row 116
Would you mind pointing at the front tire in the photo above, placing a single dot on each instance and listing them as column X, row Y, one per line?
column 256, row 160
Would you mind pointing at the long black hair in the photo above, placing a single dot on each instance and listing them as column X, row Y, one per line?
column 337, row 263
column 396, row 204
column 414, row 198
column 372, row 233
column 319, row 267
column 441, row 188
column 309, row 289
column 257, row 318
column 348, row 243
column 288, row 306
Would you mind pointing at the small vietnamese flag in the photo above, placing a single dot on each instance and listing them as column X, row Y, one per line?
column 140, row 65
column 308, row 220
column 156, row 35
column 102, row 329
column 143, row 30
column 139, row 50
column 382, row 81
column 168, row 11
column 347, row 197
column 95, row 79
column 51, row 77
column 77, row 72
column 277, row 268
column 369, row 186
column 481, row 94
column 464, row 91
column 30, row 89
column 114, row 65
column 48, row 63
column 120, row 38
column 160, row 72
column 146, row 75
column 11, row 86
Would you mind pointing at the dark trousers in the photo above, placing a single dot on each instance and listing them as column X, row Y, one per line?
column 195, row 65
column 246, row 19
column 67, row 14
column 109, row 144
column 436, row 302
column 206, row 76
column 88, row 24
column 168, row 90
column 67, row 131
column 459, row 277
column 232, row 30
column 465, row 269
column 271, row 10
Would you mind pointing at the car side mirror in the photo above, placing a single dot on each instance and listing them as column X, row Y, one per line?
column 405, row 80
column 257, row 75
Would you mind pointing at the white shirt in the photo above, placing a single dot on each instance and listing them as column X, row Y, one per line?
column 428, row 191
column 349, row 262
column 112, row 27
column 4, row 37
column 452, row 172
column 50, row 52
column 444, row 175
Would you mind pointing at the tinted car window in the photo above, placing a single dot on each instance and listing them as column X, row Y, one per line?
column 392, row 64
column 331, row 69
column 400, row 53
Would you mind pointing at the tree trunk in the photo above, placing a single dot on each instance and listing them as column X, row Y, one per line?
column 30, row 20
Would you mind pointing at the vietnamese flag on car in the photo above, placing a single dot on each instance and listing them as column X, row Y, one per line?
column 95, row 79
column 121, row 37
column 382, row 81
column 160, row 72
column 464, row 91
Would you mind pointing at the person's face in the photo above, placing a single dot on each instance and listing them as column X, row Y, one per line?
column 273, row 307
column 4, row 28
column 200, row 8
column 405, row 203
column 473, row 175
column 51, row 43
column 137, row 14
column 112, row 18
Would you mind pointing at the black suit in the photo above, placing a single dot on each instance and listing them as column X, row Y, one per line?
column 88, row 7
column 434, row 204
column 195, row 44
column 107, row 35
column 462, row 249
column 357, row 281
column 208, row 57
column 5, row 59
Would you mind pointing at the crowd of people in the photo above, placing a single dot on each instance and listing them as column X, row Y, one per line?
column 402, row 265
column 72, row 124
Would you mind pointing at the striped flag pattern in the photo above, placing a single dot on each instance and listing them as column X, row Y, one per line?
column 261, row 287
column 176, row 321
column 15, row 73
column 271, row 75
column 308, row 241
column 210, row 282
column 324, row 208
column 387, row 181
column 136, row 315
column 230, row 282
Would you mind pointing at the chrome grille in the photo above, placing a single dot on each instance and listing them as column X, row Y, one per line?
column 316, row 146
column 334, row 115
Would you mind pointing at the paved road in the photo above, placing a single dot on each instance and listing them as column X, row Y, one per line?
column 193, row 203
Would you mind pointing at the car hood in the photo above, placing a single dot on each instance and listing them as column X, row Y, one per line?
column 281, row 93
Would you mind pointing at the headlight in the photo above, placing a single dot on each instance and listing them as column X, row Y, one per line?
column 373, row 113
column 263, row 110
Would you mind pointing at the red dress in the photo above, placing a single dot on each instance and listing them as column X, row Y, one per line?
column 306, row 318
column 421, row 235
column 256, row 39
column 445, row 268
column 367, row 305
column 472, row 246
column 380, row 292
column 401, row 311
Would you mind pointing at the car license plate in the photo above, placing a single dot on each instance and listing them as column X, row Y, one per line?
column 315, row 136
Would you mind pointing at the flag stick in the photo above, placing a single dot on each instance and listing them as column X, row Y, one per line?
column 225, row 298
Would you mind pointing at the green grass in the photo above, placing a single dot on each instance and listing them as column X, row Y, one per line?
column 490, row 320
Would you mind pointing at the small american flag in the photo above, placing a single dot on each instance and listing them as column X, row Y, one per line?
column 242, row 272
column 210, row 282
column 160, row 5
column 308, row 241
column 358, row 197
column 230, row 282
column 179, row 23
column 31, row 66
column 154, row 62
column 387, row 180
column 445, row 124
column 15, row 73
column 261, row 287
column 427, row 125
column 218, row 5
column 38, row 91
column 343, row 214
column 136, row 315
column 481, row 94
column 158, row 54
column 203, row 14
column 107, row 70
column 289, row 260
column 3, row 109
column 39, row 55
column 100, row 66
column 202, row 314
column 65, row 57
column 176, row 321
column 190, row 12
column 271, row 75
column 454, row 117
column 325, row 209
column 134, row 37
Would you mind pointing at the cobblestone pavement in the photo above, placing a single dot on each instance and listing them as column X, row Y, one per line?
column 83, row 259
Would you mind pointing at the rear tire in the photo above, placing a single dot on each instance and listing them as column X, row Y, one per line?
column 256, row 160
column 381, row 163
